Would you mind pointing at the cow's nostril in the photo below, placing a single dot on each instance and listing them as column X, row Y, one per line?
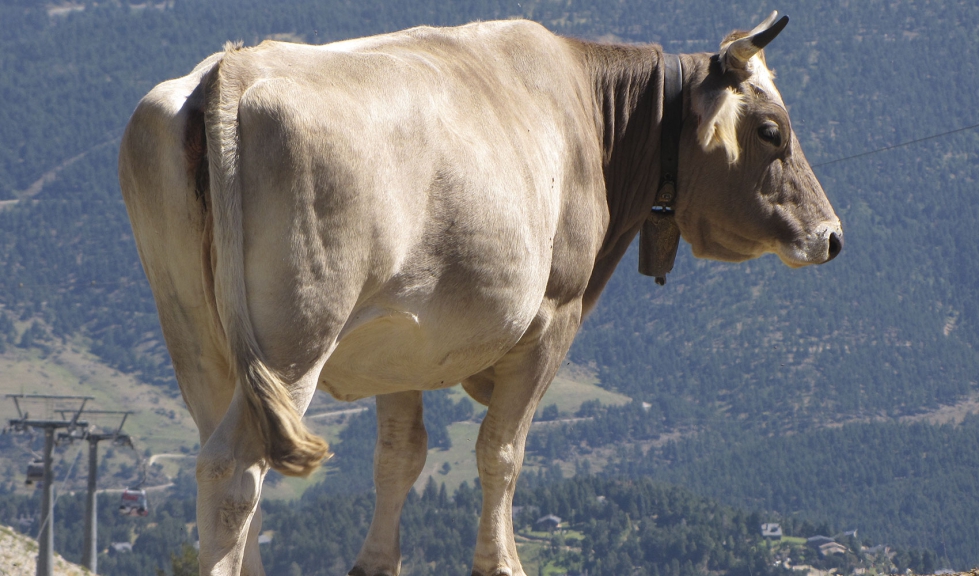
column 835, row 245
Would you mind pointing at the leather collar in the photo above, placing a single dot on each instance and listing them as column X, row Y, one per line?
column 659, row 236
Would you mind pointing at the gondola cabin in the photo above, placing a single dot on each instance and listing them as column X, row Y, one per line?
column 134, row 503
column 35, row 472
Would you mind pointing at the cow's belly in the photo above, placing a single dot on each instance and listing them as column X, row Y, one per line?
column 386, row 349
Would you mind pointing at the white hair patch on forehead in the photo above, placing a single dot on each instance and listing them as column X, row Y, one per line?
column 719, row 115
column 763, row 78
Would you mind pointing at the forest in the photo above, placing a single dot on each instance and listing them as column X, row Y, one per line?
column 610, row 526
column 800, row 385
column 901, row 483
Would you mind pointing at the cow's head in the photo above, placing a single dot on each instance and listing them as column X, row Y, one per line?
column 745, row 186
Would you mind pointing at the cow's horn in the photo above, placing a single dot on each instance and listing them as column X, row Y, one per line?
column 741, row 50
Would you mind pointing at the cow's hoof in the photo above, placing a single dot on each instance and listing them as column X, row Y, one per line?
column 358, row 571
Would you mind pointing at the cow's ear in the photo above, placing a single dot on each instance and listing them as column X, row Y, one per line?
column 738, row 48
column 719, row 112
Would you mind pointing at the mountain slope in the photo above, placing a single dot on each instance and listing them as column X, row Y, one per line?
column 886, row 331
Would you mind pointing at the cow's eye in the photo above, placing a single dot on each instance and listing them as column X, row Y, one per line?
column 769, row 133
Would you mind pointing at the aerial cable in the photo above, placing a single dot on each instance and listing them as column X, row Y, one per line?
column 78, row 284
column 57, row 493
column 901, row 145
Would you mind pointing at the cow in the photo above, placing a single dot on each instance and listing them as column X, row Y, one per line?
column 405, row 212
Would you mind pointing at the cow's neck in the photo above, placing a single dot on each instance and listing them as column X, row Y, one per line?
column 629, row 92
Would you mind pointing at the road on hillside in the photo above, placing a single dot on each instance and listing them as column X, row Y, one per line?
column 337, row 412
column 156, row 457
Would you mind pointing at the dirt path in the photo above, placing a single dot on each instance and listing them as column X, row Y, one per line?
column 156, row 488
column 52, row 175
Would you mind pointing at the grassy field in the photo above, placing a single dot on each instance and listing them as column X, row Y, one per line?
column 162, row 426
column 160, row 423
column 570, row 388
column 573, row 385
column 532, row 545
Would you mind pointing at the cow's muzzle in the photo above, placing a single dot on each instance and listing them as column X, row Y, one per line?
column 818, row 247
column 835, row 245
column 826, row 244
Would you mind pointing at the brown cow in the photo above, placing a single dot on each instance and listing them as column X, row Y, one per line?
column 401, row 213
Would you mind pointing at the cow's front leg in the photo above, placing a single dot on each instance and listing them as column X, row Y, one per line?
column 402, row 445
column 519, row 381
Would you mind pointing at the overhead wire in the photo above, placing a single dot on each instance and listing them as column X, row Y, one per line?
column 894, row 146
column 74, row 284
column 56, row 493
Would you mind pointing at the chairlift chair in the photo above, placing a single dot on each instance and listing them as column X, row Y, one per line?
column 134, row 503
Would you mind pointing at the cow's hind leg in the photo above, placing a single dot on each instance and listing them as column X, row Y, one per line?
column 230, row 469
column 399, row 457
column 230, row 546
column 519, row 381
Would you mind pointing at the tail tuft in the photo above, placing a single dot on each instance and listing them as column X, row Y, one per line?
column 234, row 46
column 289, row 445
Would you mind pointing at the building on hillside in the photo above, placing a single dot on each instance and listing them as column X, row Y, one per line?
column 771, row 530
column 879, row 549
column 832, row 548
column 817, row 541
column 549, row 523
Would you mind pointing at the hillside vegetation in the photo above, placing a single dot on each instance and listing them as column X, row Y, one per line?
column 750, row 363
column 888, row 329
column 607, row 527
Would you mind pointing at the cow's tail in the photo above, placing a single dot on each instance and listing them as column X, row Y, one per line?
column 290, row 447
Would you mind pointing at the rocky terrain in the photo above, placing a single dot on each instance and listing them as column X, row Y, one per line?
column 18, row 557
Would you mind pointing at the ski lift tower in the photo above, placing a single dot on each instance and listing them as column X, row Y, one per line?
column 45, row 541
column 90, row 551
